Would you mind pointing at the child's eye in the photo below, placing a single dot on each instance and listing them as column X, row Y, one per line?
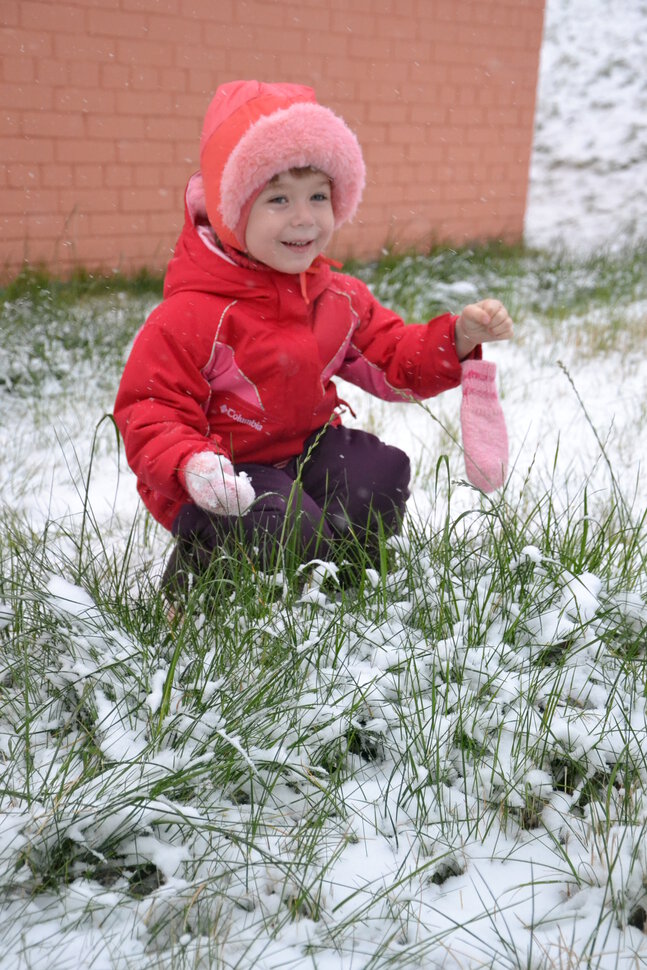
column 320, row 197
column 277, row 199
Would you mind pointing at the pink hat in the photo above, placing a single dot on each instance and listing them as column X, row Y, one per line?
column 253, row 131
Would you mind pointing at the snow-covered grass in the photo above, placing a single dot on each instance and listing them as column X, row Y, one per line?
column 443, row 767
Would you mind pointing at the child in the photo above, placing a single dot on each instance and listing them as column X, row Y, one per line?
column 228, row 411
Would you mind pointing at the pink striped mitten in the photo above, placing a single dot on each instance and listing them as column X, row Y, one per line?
column 485, row 439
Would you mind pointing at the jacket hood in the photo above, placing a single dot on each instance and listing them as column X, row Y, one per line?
column 200, row 264
column 253, row 131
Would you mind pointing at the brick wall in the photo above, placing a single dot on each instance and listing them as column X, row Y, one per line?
column 102, row 105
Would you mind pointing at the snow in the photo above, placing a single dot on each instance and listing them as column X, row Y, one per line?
column 476, row 891
column 588, row 182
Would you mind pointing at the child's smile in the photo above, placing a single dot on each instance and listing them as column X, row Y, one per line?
column 291, row 221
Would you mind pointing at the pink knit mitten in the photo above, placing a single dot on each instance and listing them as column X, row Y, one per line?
column 485, row 439
column 213, row 485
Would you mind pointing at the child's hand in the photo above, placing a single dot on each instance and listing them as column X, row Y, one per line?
column 213, row 485
column 481, row 323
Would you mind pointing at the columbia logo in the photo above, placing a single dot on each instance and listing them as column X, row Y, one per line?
column 237, row 416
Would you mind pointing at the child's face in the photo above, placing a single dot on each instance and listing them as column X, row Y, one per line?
column 291, row 221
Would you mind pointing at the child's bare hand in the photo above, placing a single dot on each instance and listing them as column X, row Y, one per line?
column 481, row 323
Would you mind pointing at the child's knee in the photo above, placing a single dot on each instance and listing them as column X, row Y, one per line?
column 390, row 485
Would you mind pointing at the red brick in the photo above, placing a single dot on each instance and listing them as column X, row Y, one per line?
column 113, row 127
column 356, row 23
column 200, row 80
column 44, row 225
column 57, row 176
column 84, row 74
column 51, row 16
column 175, row 78
column 282, row 39
column 375, row 70
column 503, row 117
column 116, row 23
column 260, row 12
column 388, row 114
column 367, row 6
column 51, row 71
column 30, row 198
column 155, row 6
column 176, row 176
column 187, row 156
column 429, row 113
column 143, row 77
column 160, row 223
column 25, row 97
column 406, row 134
column 219, row 38
column 248, row 62
column 183, row 130
column 297, row 66
column 372, row 49
column 140, row 51
column 313, row 18
column 494, row 154
column 117, row 177
column 85, row 100
column 32, row 151
column 167, row 28
column 428, row 152
column 20, row 174
column 10, row 13
column 465, row 117
column 77, row 47
column 84, row 201
column 400, row 28
column 52, row 124
column 11, row 124
column 344, row 91
column 105, row 4
column 19, row 68
column 114, row 75
column 195, row 65
column 373, row 136
column 116, row 224
column 448, row 52
column 83, row 150
column 516, row 136
column 143, row 104
column 89, row 176
column 27, row 42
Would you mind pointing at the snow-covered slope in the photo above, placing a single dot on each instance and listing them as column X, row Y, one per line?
column 588, row 180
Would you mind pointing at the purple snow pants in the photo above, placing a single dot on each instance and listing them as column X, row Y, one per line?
column 346, row 485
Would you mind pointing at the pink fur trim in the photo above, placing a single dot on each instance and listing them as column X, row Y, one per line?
column 302, row 135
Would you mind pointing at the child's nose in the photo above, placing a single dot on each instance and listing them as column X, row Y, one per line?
column 303, row 213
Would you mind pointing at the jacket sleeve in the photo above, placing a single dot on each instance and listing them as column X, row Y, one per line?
column 161, row 404
column 399, row 361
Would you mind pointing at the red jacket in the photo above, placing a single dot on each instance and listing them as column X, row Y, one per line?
column 240, row 359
